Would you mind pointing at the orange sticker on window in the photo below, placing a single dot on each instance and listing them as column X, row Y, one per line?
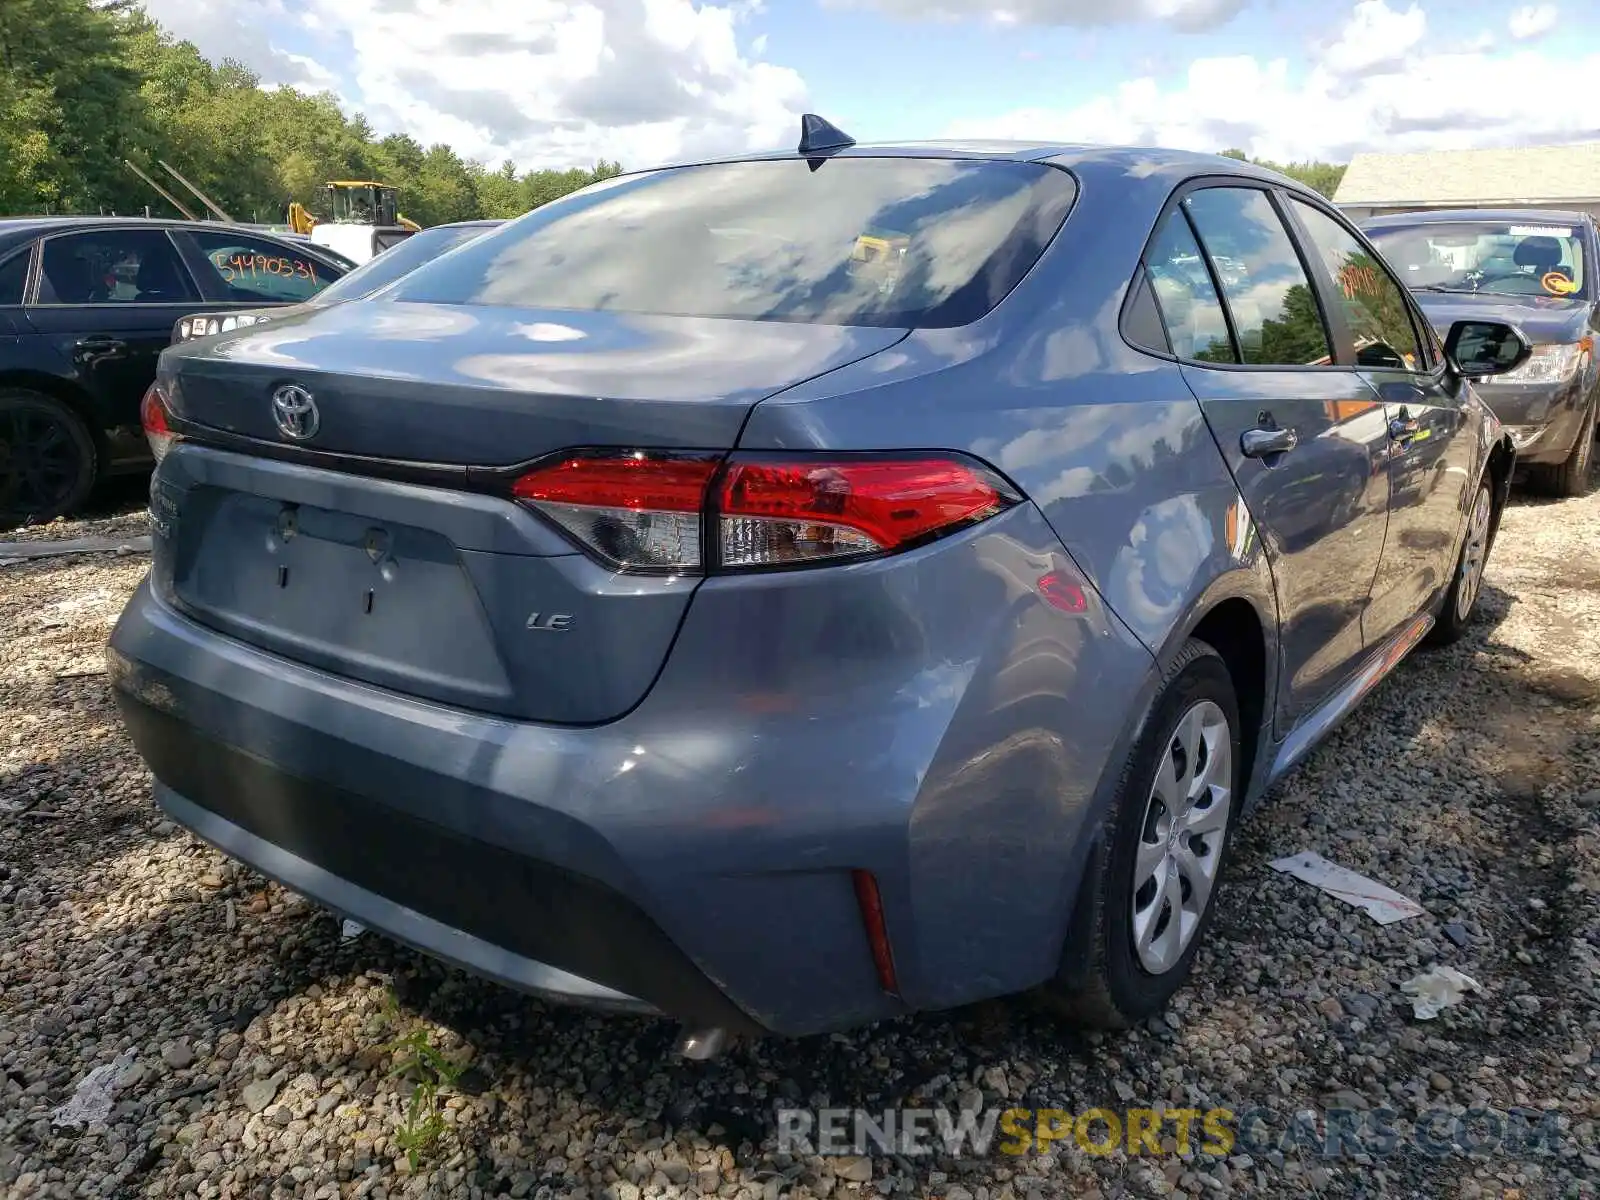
column 234, row 264
column 1558, row 284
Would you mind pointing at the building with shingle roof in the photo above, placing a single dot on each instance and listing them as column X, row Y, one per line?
column 1566, row 177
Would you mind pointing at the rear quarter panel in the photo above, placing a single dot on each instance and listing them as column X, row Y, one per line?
column 1107, row 441
column 1111, row 447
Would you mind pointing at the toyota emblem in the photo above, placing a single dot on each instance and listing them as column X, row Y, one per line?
column 295, row 412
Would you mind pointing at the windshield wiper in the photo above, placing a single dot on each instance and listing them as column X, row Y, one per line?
column 1439, row 287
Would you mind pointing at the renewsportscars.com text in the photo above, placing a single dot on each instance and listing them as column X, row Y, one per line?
column 1218, row 1132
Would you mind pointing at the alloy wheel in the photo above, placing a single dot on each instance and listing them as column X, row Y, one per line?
column 1473, row 555
column 1184, row 829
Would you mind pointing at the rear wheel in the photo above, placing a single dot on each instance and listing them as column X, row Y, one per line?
column 1163, row 856
column 1571, row 478
column 48, row 460
column 1462, row 599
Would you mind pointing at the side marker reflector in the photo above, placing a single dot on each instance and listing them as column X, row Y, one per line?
column 877, row 929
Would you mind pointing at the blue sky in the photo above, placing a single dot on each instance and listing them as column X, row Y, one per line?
column 557, row 82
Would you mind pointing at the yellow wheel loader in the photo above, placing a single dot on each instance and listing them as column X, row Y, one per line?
column 365, row 219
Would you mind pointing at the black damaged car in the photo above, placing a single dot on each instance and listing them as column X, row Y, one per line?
column 87, row 305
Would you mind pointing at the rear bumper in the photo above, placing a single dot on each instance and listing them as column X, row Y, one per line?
column 928, row 718
column 419, row 882
column 433, row 856
column 260, row 795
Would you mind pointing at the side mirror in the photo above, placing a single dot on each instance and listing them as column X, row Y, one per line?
column 1477, row 348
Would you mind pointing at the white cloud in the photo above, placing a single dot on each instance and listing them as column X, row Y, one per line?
column 1376, row 38
column 308, row 75
column 1443, row 100
column 544, row 82
column 1532, row 20
column 220, row 32
column 1182, row 14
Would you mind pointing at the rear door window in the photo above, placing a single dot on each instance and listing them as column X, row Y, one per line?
column 1374, row 303
column 1275, row 313
column 113, row 266
column 253, row 269
column 1196, row 326
column 918, row 242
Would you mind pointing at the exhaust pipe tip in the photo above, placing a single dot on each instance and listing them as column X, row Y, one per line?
column 702, row 1045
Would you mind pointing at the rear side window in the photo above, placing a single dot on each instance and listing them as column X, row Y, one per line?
column 13, row 277
column 1141, row 323
column 113, row 266
column 1373, row 302
column 1274, row 310
column 252, row 269
column 919, row 242
column 1190, row 311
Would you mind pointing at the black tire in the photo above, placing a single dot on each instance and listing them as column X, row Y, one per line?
column 1452, row 622
column 48, row 459
column 1118, row 990
column 1571, row 478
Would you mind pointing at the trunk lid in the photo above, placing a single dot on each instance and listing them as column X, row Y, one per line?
column 485, row 386
column 456, row 596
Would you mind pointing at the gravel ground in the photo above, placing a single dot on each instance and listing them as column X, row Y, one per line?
column 255, row 1040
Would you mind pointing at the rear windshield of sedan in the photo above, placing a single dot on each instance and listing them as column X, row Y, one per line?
column 907, row 242
column 1508, row 258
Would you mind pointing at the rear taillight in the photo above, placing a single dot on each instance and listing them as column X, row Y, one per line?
column 775, row 513
column 691, row 513
column 637, row 511
column 153, row 416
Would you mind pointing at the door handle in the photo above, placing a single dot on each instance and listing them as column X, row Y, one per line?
column 100, row 343
column 1403, row 429
column 1263, row 443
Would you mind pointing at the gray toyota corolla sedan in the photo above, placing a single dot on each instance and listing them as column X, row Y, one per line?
column 1533, row 269
column 789, row 592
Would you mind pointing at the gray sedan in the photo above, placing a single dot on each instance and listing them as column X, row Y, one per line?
column 790, row 592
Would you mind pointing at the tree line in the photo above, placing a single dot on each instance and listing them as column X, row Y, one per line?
column 1320, row 177
column 87, row 85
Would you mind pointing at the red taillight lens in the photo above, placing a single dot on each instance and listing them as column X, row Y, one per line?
column 639, row 510
column 772, row 514
column 633, row 510
column 153, row 416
